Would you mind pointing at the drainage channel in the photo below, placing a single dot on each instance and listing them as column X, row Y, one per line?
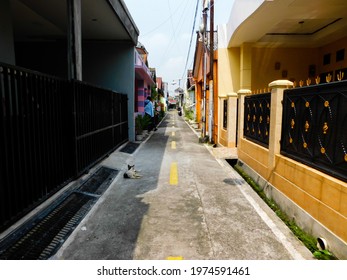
column 42, row 236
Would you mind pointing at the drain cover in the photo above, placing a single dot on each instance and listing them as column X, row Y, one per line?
column 99, row 181
column 129, row 148
column 43, row 235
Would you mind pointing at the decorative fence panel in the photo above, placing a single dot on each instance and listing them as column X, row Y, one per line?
column 51, row 130
column 257, row 118
column 314, row 128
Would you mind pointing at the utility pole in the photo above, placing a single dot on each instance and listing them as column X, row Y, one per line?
column 211, row 86
column 204, row 63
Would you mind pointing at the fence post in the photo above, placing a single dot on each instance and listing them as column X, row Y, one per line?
column 277, row 89
column 232, row 119
column 241, row 112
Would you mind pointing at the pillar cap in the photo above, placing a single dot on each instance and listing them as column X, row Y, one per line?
column 222, row 95
column 281, row 84
column 244, row 92
column 232, row 94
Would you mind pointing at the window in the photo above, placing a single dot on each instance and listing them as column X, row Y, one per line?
column 326, row 59
column 340, row 55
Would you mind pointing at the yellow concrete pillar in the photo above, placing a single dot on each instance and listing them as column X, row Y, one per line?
column 222, row 139
column 277, row 88
column 241, row 112
column 232, row 119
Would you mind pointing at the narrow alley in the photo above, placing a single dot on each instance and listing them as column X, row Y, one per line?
column 188, row 205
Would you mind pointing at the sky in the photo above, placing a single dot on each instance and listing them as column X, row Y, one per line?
column 166, row 29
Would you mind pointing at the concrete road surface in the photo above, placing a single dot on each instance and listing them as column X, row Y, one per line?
column 188, row 204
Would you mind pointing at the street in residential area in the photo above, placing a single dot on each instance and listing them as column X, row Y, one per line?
column 188, row 204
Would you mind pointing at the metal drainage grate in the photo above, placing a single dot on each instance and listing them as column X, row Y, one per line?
column 42, row 236
column 130, row 147
column 99, row 182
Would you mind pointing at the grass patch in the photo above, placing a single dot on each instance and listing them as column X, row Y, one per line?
column 309, row 241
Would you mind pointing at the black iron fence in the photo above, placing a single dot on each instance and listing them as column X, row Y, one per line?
column 101, row 123
column 51, row 130
column 314, row 127
column 257, row 118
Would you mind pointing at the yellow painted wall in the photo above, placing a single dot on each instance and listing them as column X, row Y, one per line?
column 228, row 62
column 223, row 137
column 255, row 156
column 332, row 49
column 227, row 83
column 294, row 61
column 246, row 66
column 322, row 196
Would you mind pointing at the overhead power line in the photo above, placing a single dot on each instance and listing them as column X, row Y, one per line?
column 160, row 25
column 191, row 38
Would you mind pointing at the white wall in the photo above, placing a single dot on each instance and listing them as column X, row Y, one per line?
column 240, row 11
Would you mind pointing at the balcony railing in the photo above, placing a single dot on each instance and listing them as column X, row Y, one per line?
column 142, row 67
column 51, row 130
column 314, row 127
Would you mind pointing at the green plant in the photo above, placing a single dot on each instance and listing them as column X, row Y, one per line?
column 308, row 240
column 146, row 120
column 154, row 92
column 324, row 255
column 189, row 113
column 139, row 124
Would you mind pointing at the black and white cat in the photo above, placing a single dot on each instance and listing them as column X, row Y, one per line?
column 131, row 173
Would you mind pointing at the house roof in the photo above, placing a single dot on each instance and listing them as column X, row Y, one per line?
column 172, row 100
column 45, row 20
column 287, row 23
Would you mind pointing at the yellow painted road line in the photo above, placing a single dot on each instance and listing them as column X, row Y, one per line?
column 173, row 133
column 173, row 174
column 173, row 145
column 174, row 258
